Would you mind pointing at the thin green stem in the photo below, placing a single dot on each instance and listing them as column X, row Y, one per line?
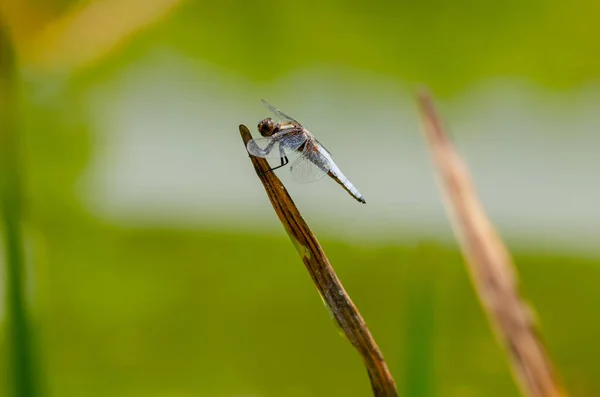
column 18, row 331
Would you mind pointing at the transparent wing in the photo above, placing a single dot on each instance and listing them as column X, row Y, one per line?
column 278, row 112
column 310, row 166
column 275, row 147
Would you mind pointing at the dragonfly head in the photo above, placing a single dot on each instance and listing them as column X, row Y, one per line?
column 266, row 127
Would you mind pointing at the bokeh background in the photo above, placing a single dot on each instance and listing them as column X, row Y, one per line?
column 156, row 266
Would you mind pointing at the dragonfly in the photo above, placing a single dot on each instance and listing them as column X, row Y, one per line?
column 287, row 136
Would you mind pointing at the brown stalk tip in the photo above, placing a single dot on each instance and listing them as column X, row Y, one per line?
column 245, row 133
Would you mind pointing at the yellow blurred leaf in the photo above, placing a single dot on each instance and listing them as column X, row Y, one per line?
column 84, row 33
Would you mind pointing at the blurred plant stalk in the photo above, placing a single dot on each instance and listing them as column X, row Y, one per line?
column 489, row 263
column 21, row 358
column 80, row 35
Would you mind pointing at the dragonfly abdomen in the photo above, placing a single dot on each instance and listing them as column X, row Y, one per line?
column 340, row 178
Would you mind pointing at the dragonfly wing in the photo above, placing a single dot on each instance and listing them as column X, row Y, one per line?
column 278, row 112
column 275, row 146
column 312, row 165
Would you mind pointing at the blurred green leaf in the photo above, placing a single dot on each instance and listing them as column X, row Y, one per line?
column 19, row 336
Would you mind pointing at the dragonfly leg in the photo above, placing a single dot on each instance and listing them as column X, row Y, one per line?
column 284, row 161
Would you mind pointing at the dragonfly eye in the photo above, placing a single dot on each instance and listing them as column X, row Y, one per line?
column 266, row 127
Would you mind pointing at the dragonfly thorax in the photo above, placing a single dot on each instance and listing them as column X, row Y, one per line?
column 266, row 127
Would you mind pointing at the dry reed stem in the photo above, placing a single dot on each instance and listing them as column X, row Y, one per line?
column 329, row 286
column 489, row 263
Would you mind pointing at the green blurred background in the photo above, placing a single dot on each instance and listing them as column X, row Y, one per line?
column 156, row 266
